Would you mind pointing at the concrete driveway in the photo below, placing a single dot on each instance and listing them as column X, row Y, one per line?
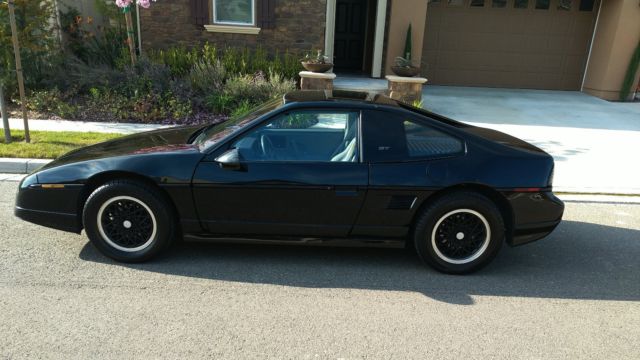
column 594, row 142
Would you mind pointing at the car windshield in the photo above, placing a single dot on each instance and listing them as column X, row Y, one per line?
column 215, row 133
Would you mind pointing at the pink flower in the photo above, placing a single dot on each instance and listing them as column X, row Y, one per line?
column 123, row 3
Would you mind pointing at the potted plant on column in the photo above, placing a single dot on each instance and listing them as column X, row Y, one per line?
column 403, row 65
column 318, row 63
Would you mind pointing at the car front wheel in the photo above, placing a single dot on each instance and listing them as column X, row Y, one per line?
column 128, row 221
column 459, row 233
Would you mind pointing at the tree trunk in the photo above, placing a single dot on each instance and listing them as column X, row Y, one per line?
column 130, row 34
column 5, row 117
column 16, row 51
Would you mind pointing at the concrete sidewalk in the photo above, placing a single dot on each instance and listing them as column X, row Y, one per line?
column 83, row 126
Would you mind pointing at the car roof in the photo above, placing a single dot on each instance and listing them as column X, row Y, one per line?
column 363, row 97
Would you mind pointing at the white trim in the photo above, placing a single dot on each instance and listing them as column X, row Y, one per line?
column 593, row 37
column 330, row 29
column 313, row 75
column 378, row 42
column 236, row 23
column 233, row 29
column 405, row 79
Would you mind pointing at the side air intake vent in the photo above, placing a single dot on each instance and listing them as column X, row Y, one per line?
column 401, row 202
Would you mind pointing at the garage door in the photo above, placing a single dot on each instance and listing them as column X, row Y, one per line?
column 534, row 44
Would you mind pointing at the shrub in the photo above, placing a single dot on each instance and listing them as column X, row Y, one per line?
column 173, row 85
column 80, row 77
column 630, row 75
column 256, row 87
column 207, row 77
column 52, row 101
column 242, row 62
column 141, row 107
column 242, row 108
column 247, row 91
column 219, row 102
column 179, row 60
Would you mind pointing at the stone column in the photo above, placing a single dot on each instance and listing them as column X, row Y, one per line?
column 316, row 81
column 406, row 89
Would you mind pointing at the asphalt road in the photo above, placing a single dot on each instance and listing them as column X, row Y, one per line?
column 575, row 294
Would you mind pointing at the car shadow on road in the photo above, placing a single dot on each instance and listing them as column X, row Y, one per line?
column 578, row 261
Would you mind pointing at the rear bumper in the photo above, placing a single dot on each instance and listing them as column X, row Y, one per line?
column 531, row 232
column 54, row 220
column 536, row 215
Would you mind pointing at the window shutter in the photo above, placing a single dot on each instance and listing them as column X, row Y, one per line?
column 266, row 14
column 200, row 11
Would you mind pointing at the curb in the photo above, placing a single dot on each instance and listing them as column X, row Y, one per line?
column 21, row 166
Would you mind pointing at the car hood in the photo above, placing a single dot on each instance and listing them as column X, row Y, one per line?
column 164, row 140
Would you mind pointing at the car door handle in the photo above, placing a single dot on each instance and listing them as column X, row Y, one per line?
column 347, row 193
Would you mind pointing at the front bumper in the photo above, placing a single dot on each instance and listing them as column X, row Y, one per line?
column 536, row 215
column 56, row 208
column 54, row 220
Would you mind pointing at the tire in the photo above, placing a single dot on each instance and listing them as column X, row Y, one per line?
column 129, row 221
column 459, row 233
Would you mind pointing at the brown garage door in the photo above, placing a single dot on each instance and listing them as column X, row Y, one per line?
column 535, row 44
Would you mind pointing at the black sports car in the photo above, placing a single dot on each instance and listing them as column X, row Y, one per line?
column 314, row 167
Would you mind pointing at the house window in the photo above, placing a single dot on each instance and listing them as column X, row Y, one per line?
column 499, row 3
column 542, row 4
column 564, row 5
column 586, row 5
column 234, row 12
column 521, row 4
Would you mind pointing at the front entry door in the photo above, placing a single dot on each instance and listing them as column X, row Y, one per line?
column 350, row 34
column 300, row 174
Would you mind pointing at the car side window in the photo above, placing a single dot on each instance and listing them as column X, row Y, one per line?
column 392, row 137
column 303, row 135
column 423, row 141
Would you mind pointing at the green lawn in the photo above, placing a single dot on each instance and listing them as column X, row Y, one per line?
column 48, row 144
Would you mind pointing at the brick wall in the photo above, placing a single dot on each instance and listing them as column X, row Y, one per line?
column 299, row 25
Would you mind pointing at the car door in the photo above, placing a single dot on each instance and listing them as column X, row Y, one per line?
column 298, row 173
column 408, row 160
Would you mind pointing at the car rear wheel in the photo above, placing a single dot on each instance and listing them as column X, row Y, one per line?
column 459, row 233
column 128, row 221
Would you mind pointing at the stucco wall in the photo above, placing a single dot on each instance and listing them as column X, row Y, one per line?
column 616, row 37
column 299, row 26
column 403, row 13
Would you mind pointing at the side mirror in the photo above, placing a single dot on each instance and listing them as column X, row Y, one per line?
column 230, row 160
